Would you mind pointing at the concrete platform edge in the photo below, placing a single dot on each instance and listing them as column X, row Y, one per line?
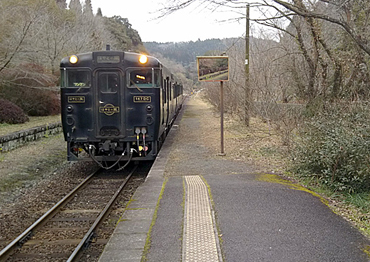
column 129, row 241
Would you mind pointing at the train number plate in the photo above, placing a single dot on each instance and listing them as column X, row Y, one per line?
column 142, row 99
column 76, row 99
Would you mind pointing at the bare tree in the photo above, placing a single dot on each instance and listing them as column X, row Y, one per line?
column 328, row 42
column 345, row 14
column 16, row 20
column 40, row 32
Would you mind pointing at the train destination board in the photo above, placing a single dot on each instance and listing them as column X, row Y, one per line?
column 108, row 59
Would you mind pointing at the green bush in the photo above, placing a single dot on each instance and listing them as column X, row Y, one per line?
column 334, row 148
column 11, row 113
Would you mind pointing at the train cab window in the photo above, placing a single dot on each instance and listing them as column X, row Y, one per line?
column 108, row 82
column 144, row 78
column 76, row 78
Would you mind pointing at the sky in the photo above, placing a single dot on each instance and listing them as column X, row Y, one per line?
column 193, row 23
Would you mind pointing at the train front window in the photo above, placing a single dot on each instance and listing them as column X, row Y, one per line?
column 108, row 82
column 76, row 78
column 144, row 78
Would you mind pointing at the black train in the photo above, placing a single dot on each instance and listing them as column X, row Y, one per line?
column 116, row 106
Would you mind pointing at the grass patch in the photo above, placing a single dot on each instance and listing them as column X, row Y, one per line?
column 34, row 121
column 360, row 200
column 14, row 181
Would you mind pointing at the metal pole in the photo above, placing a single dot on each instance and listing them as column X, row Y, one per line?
column 222, row 119
column 247, row 87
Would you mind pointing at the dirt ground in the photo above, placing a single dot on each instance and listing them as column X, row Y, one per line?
column 257, row 145
column 24, row 167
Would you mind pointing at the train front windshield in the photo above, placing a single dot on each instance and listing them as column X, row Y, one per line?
column 75, row 78
column 144, row 78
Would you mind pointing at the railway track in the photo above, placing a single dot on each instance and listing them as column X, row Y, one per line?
column 64, row 231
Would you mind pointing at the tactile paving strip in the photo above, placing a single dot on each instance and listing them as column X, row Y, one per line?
column 199, row 234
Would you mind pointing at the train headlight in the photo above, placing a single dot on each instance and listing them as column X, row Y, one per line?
column 143, row 59
column 73, row 59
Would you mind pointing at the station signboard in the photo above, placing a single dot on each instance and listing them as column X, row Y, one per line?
column 213, row 68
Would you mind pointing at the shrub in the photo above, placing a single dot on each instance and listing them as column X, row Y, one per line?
column 30, row 87
column 34, row 101
column 42, row 103
column 334, row 148
column 11, row 113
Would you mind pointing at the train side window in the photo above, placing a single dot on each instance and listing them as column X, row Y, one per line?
column 157, row 77
column 108, row 82
column 77, row 78
column 144, row 78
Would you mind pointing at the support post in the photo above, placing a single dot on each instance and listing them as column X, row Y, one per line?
column 222, row 119
column 247, row 105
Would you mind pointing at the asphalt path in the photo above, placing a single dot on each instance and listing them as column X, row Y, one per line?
column 263, row 221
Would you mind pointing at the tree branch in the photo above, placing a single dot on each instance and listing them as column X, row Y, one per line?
column 350, row 31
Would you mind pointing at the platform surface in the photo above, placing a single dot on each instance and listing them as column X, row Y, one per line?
column 197, row 206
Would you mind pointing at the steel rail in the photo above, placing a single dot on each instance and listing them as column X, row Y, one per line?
column 23, row 237
column 89, row 235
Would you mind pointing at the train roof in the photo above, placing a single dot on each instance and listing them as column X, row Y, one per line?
column 109, row 59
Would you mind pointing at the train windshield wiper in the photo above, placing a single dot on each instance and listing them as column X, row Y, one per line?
column 138, row 88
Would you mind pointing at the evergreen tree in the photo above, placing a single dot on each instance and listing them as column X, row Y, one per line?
column 124, row 36
column 99, row 12
column 88, row 10
column 62, row 4
column 75, row 5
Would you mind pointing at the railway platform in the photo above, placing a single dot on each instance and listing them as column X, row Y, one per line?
column 198, row 206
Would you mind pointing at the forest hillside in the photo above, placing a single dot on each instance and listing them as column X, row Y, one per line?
column 36, row 34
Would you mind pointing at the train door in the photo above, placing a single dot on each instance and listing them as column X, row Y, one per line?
column 109, row 104
column 167, row 106
column 176, row 99
column 172, row 102
column 164, row 102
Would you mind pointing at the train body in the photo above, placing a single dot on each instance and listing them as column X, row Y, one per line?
column 116, row 106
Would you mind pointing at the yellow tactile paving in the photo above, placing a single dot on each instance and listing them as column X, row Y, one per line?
column 199, row 232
